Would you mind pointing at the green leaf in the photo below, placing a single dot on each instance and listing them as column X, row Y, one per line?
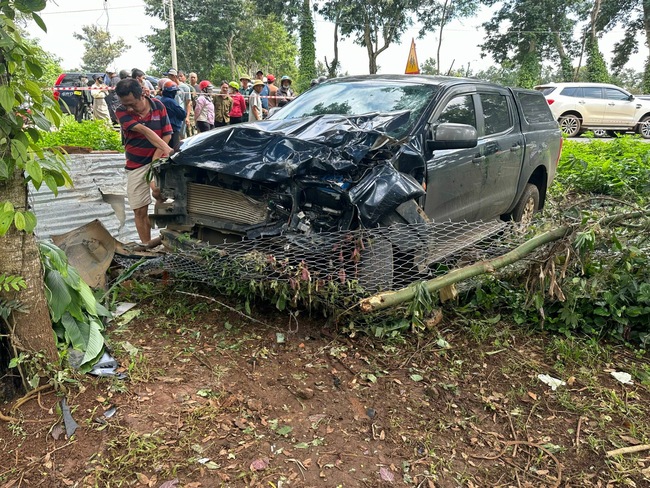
column 51, row 184
column 60, row 297
column 6, row 218
column 33, row 89
column 29, row 6
column 41, row 24
column 7, row 98
column 35, row 171
column 87, row 297
column 4, row 169
column 416, row 377
column 19, row 220
column 30, row 221
column 284, row 431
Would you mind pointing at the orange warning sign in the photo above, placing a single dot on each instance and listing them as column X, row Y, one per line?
column 412, row 67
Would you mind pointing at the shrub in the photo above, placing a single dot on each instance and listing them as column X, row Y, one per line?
column 618, row 168
column 96, row 134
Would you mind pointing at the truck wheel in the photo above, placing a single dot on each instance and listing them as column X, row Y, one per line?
column 570, row 125
column 644, row 127
column 527, row 206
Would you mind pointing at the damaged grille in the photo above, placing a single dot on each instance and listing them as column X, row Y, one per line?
column 223, row 204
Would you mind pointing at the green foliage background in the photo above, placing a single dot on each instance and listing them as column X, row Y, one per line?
column 607, row 284
column 96, row 134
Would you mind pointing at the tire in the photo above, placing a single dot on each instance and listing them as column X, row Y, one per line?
column 600, row 133
column 644, row 127
column 527, row 206
column 570, row 125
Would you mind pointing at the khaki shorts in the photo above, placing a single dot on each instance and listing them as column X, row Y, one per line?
column 138, row 190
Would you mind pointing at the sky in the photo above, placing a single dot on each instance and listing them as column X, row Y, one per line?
column 126, row 19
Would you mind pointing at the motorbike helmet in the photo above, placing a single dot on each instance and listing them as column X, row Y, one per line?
column 204, row 84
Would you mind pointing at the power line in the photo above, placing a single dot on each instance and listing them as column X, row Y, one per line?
column 91, row 10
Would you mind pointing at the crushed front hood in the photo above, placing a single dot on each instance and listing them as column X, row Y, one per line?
column 274, row 151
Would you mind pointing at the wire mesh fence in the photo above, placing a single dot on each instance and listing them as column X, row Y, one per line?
column 337, row 269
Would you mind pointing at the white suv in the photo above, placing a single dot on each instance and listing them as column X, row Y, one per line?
column 596, row 106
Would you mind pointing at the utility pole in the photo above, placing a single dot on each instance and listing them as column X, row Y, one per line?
column 172, row 33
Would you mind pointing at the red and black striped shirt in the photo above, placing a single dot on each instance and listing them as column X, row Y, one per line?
column 139, row 151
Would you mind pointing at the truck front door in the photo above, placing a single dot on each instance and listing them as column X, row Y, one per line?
column 454, row 175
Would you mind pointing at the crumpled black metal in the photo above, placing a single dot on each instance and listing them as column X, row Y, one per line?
column 274, row 151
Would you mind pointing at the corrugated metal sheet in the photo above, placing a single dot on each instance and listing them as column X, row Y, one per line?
column 99, row 192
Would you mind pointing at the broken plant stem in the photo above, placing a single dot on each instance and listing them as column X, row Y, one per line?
column 628, row 450
column 393, row 298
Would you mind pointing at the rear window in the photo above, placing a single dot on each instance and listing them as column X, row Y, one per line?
column 546, row 90
column 496, row 113
column 535, row 108
column 572, row 91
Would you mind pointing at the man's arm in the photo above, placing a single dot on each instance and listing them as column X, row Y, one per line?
column 188, row 107
column 159, row 143
column 159, row 153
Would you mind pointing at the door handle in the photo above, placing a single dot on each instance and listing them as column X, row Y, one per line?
column 478, row 159
column 611, row 104
column 515, row 148
column 581, row 102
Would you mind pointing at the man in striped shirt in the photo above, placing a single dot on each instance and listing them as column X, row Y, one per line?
column 146, row 132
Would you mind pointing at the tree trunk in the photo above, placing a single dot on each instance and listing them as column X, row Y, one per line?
column 20, row 257
column 443, row 21
column 646, row 27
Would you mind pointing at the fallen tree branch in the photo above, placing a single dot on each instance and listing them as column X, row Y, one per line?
column 392, row 298
column 628, row 450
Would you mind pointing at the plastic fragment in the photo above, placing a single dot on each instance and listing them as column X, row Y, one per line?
column 550, row 381
column 625, row 378
column 69, row 422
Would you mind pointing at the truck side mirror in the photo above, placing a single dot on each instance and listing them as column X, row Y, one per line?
column 451, row 136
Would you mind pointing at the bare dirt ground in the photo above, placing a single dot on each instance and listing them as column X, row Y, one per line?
column 214, row 399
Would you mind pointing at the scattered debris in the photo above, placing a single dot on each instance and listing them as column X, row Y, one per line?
column 260, row 464
column 625, row 378
column 130, row 348
column 122, row 307
column 70, row 424
column 110, row 412
column 170, row 484
column 628, row 450
column 207, row 463
column 280, row 338
column 386, row 474
column 106, row 366
column 57, row 431
column 550, row 381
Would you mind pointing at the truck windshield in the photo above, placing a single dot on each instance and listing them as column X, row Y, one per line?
column 359, row 98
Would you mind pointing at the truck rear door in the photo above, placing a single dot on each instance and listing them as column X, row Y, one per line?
column 502, row 145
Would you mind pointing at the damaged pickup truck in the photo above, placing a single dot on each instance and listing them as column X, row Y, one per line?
column 365, row 152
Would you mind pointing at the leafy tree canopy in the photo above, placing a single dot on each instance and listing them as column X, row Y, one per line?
column 212, row 35
column 100, row 50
